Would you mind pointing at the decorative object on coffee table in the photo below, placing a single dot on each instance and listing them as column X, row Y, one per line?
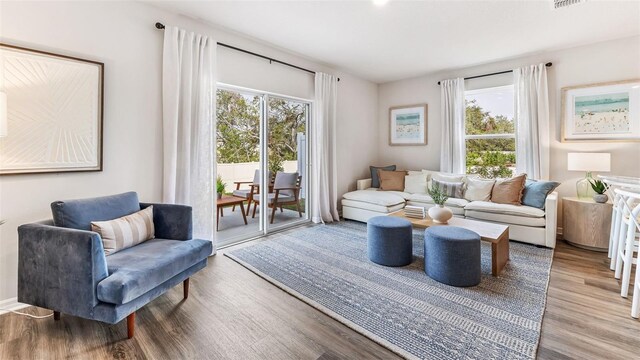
column 452, row 256
column 389, row 241
column 588, row 162
column 496, row 234
column 408, row 125
column 439, row 213
column 600, row 188
column 220, row 187
column 586, row 224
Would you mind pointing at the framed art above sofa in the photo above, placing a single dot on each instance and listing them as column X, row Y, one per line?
column 408, row 125
column 601, row 112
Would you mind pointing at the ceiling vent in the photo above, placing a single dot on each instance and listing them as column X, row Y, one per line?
column 557, row 4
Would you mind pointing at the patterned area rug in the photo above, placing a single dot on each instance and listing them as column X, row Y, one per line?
column 402, row 308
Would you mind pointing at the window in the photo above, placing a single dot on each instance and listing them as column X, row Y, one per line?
column 490, row 136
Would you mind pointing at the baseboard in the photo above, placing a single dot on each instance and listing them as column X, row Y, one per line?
column 10, row 304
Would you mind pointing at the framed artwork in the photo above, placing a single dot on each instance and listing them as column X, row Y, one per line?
column 408, row 125
column 602, row 112
column 54, row 106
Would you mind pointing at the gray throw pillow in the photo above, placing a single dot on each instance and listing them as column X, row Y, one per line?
column 375, row 180
column 535, row 192
column 451, row 189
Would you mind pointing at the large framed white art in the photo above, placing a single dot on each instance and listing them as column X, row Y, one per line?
column 54, row 106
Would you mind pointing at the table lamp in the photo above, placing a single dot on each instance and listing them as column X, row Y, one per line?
column 588, row 162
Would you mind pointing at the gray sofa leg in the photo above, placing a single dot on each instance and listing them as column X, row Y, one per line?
column 185, row 288
column 56, row 315
column 131, row 325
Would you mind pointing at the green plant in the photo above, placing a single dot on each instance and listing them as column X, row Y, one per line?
column 598, row 186
column 438, row 196
column 220, row 185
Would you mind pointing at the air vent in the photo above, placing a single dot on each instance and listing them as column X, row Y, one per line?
column 557, row 4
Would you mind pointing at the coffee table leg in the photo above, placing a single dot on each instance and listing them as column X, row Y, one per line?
column 244, row 216
column 500, row 254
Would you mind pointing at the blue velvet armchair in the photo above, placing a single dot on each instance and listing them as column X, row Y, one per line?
column 62, row 265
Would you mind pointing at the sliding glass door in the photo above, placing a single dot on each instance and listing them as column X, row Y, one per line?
column 262, row 148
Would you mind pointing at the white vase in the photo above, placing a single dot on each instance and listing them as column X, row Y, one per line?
column 440, row 214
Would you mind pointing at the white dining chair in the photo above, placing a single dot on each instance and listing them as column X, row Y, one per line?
column 627, row 244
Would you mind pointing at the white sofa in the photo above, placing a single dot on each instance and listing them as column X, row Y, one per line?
column 526, row 224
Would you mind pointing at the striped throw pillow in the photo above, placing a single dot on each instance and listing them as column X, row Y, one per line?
column 126, row 231
column 451, row 189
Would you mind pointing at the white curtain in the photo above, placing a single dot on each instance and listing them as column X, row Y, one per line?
column 188, row 111
column 532, row 121
column 452, row 113
column 324, row 179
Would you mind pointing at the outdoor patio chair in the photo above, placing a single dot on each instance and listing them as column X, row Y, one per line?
column 254, row 188
column 286, row 191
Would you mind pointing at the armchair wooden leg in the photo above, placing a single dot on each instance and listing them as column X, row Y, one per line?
column 298, row 207
column 281, row 209
column 185, row 288
column 56, row 315
column 255, row 205
column 131, row 325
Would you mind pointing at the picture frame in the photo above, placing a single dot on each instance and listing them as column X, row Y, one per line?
column 408, row 125
column 54, row 112
column 601, row 112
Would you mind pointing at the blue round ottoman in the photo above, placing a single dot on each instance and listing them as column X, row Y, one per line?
column 389, row 241
column 452, row 255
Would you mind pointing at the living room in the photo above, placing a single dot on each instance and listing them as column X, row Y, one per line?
column 373, row 62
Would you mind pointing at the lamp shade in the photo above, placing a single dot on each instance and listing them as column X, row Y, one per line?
column 3, row 114
column 600, row 162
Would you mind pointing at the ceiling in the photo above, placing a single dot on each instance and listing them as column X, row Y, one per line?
column 408, row 38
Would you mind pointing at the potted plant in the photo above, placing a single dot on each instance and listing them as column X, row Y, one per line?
column 600, row 188
column 439, row 213
column 220, row 186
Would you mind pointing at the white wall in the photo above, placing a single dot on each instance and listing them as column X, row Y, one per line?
column 601, row 62
column 123, row 36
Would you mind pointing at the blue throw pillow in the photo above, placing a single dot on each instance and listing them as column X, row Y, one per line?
column 375, row 180
column 535, row 192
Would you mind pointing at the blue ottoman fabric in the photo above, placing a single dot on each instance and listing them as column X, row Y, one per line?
column 452, row 255
column 389, row 241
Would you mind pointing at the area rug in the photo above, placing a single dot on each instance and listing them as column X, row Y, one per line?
column 402, row 308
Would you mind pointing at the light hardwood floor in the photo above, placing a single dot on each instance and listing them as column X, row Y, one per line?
column 233, row 314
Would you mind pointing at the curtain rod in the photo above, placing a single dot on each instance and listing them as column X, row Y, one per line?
column 496, row 73
column 160, row 26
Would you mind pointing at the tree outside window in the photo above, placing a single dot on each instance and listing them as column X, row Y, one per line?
column 490, row 132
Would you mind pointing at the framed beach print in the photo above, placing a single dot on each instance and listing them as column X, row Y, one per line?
column 53, row 112
column 602, row 112
column 408, row 125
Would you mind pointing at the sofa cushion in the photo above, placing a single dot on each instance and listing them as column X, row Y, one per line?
column 506, row 219
column 506, row 209
column 78, row 214
column 391, row 180
column 375, row 180
column 415, row 183
column 478, row 189
column 125, row 232
column 535, row 192
column 383, row 198
column 136, row 270
column 509, row 191
column 450, row 189
column 404, row 195
column 372, row 207
column 425, row 198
